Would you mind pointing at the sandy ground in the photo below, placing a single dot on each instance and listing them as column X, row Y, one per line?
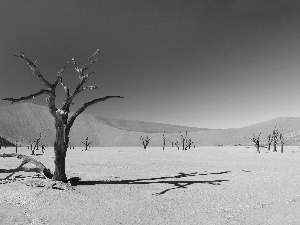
column 206, row 185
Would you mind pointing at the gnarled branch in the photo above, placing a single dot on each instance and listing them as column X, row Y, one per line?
column 14, row 100
column 40, row 168
column 59, row 75
column 85, row 105
column 82, row 79
column 35, row 69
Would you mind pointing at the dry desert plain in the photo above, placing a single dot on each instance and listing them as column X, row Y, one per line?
column 205, row 185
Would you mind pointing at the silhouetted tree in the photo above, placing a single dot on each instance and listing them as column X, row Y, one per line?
column 255, row 140
column 190, row 143
column 63, row 123
column 275, row 138
column 87, row 143
column 145, row 141
column 36, row 144
column 164, row 141
column 282, row 141
column 183, row 140
column 177, row 144
column 269, row 139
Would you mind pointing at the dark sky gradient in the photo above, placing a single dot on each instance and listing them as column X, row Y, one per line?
column 203, row 63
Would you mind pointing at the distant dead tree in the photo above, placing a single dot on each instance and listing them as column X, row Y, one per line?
column 282, row 141
column 186, row 142
column 255, row 140
column 183, row 140
column 269, row 140
column 87, row 143
column 164, row 141
column 63, row 123
column 145, row 141
column 275, row 138
column 37, row 142
column 16, row 145
column 43, row 146
column 177, row 144
column 189, row 143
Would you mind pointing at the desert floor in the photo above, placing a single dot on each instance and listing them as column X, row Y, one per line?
column 205, row 185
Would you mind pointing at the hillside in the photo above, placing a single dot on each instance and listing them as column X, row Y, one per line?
column 147, row 127
column 24, row 122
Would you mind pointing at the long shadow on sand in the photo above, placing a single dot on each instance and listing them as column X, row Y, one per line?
column 162, row 180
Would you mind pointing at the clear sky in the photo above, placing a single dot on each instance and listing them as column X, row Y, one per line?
column 202, row 63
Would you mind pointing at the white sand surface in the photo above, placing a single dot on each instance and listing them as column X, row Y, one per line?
column 206, row 185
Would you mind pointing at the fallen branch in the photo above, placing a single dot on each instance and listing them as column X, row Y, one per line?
column 40, row 168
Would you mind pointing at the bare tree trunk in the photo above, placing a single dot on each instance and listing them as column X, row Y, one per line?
column 60, row 150
column 281, row 147
column 257, row 148
column 269, row 146
column 274, row 148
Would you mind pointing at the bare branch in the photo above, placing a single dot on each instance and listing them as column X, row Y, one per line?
column 75, row 64
column 14, row 100
column 82, row 78
column 34, row 68
column 67, row 91
column 85, row 67
column 85, row 105
column 59, row 75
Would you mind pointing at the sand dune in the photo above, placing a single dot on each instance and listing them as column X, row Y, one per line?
column 24, row 122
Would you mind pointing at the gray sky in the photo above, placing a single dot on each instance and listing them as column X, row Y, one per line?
column 203, row 63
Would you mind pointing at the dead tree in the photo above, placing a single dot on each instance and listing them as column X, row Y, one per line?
column 189, row 143
column 275, row 138
column 164, row 141
column 177, row 144
column 44, row 146
column 255, row 140
column 16, row 145
column 269, row 139
column 183, row 140
column 86, row 143
column 145, row 141
column 282, row 141
column 36, row 144
column 63, row 123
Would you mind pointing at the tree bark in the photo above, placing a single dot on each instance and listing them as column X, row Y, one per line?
column 60, row 151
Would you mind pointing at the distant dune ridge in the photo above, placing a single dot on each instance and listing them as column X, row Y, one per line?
column 25, row 121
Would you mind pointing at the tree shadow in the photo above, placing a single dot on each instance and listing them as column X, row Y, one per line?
column 160, row 180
